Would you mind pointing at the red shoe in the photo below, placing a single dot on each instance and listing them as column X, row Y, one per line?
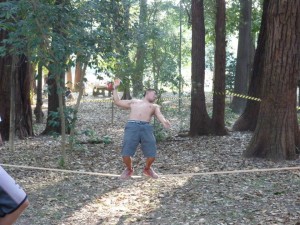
column 150, row 173
column 127, row 173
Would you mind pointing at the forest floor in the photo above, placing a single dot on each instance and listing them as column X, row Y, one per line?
column 182, row 194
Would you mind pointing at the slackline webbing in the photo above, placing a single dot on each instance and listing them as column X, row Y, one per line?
column 161, row 175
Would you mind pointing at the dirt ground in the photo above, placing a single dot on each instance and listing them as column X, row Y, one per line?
column 182, row 194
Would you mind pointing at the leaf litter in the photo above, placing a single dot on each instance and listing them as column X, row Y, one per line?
column 76, row 199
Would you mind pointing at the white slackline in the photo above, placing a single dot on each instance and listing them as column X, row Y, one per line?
column 161, row 175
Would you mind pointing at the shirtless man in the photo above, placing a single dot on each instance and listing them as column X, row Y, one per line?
column 13, row 200
column 138, row 129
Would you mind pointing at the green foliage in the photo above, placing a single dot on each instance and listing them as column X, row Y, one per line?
column 160, row 133
column 106, row 139
column 54, row 118
column 61, row 162
column 233, row 16
column 163, row 45
column 105, row 34
column 50, row 33
column 93, row 137
column 230, row 116
column 230, row 71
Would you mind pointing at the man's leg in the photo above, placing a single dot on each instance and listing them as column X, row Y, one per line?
column 149, row 162
column 128, row 162
column 9, row 219
column 148, row 171
column 127, row 173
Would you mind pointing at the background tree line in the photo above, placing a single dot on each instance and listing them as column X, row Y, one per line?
column 146, row 44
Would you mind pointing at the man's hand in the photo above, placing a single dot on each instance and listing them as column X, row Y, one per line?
column 117, row 83
column 167, row 124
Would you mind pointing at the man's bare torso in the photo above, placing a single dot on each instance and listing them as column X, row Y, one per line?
column 142, row 110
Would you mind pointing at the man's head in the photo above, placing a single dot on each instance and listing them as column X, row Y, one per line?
column 150, row 95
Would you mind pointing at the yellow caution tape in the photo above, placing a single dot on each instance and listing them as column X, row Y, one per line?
column 242, row 96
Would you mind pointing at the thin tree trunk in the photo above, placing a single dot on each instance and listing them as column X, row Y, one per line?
column 61, row 110
column 69, row 79
column 200, row 123
column 243, row 64
column 74, row 116
column 218, row 118
column 138, row 76
column 53, row 105
column 77, row 77
column 39, row 101
column 12, row 116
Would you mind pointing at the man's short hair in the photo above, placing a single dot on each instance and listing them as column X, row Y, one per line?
column 148, row 90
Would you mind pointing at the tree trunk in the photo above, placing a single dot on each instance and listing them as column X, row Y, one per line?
column 53, row 124
column 12, row 114
column 138, row 76
column 248, row 120
column 200, row 123
column 276, row 136
column 218, row 121
column 69, row 79
column 126, row 92
column 38, row 112
column 56, row 84
column 5, row 68
column 76, row 108
column 23, row 112
column 243, row 63
column 77, row 77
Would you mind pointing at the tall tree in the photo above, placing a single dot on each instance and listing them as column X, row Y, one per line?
column 39, row 101
column 164, row 47
column 218, row 121
column 123, row 42
column 248, row 119
column 200, row 123
column 69, row 78
column 276, row 135
column 56, row 76
column 243, row 64
column 78, row 76
column 23, row 113
column 138, row 76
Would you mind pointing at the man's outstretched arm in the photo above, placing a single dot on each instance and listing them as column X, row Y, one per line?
column 121, row 103
column 166, row 123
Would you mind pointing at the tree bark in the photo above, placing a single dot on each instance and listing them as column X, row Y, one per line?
column 276, row 136
column 218, row 118
column 12, row 114
column 53, row 105
column 69, row 79
column 138, row 76
column 77, row 77
column 243, row 64
column 200, row 123
column 38, row 112
column 248, row 120
column 23, row 112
